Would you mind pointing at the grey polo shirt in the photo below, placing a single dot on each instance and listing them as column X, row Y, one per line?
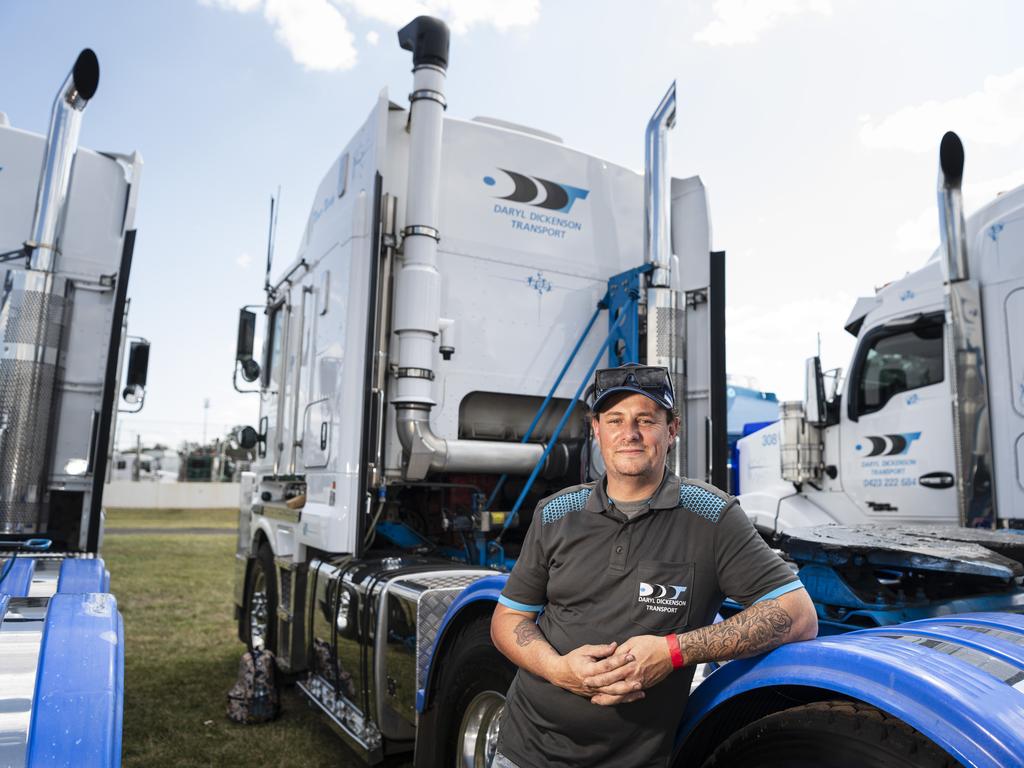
column 601, row 577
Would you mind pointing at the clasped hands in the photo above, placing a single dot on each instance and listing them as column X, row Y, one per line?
column 616, row 673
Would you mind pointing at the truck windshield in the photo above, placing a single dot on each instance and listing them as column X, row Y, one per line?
column 897, row 362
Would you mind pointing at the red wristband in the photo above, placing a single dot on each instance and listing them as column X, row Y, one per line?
column 674, row 651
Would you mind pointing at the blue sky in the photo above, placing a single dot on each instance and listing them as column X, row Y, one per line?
column 814, row 124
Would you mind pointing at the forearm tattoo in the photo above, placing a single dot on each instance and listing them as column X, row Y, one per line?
column 757, row 629
column 526, row 632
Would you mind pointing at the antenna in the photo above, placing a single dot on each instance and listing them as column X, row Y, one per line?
column 275, row 204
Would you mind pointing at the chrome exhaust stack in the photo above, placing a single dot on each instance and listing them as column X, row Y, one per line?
column 657, row 238
column 33, row 303
column 666, row 322
column 965, row 346
column 417, row 306
column 61, row 144
column 951, row 208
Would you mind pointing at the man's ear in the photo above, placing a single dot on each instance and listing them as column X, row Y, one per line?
column 673, row 428
column 595, row 426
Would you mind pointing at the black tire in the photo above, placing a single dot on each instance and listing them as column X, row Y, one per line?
column 261, row 579
column 829, row 734
column 473, row 672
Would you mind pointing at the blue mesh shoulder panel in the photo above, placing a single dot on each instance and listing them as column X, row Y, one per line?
column 701, row 502
column 560, row 506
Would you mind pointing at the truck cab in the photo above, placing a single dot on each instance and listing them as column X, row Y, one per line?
column 882, row 449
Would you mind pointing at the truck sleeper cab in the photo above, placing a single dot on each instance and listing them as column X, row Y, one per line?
column 431, row 312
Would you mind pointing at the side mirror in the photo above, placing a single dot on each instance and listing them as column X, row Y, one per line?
column 243, row 349
column 138, row 368
column 247, row 438
column 814, row 392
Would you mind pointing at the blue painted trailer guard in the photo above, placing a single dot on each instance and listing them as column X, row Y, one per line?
column 81, row 576
column 77, row 711
column 947, row 686
column 19, row 577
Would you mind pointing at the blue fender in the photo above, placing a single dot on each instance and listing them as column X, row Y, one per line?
column 79, row 698
column 18, row 578
column 79, row 576
column 487, row 588
column 959, row 680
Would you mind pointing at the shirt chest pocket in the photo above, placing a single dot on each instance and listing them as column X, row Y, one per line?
column 663, row 595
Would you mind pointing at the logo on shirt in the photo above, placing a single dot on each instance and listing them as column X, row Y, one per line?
column 664, row 598
column 657, row 591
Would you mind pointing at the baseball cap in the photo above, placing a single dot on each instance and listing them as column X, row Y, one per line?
column 652, row 381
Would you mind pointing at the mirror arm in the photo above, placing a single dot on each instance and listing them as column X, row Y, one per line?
column 234, row 382
column 142, row 403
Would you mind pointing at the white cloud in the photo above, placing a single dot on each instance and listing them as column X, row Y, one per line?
column 394, row 13
column 993, row 115
column 243, row 260
column 314, row 31
column 743, row 21
column 242, row 6
column 317, row 35
column 921, row 233
column 500, row 14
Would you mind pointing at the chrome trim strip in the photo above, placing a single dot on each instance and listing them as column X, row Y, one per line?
column 278, row 512
column 345, row 718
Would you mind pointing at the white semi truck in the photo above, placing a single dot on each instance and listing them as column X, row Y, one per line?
column 928, row 426
column 66, row 243
column 422, row 384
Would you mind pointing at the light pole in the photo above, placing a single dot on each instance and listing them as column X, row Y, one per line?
column 206, row 412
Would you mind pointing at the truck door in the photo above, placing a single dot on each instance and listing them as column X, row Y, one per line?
column 896, row 444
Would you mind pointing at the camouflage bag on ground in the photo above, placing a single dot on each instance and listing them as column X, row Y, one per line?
column 253, row 698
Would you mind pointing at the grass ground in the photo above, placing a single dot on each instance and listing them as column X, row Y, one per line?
column 171, row 518
column 182, row 653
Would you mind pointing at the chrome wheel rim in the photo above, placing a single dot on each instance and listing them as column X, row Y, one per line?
column 478, row 732
column 258, row 610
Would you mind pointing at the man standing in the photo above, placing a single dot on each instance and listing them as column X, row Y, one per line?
column 629, row 572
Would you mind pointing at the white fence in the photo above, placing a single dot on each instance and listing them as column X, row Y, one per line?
column 153, row 495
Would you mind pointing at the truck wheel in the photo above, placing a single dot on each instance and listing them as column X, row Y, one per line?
column 471, row 698
column 830, row 734
column 261, row 601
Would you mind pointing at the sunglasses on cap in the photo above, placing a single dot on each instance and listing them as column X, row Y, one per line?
column 648, row 380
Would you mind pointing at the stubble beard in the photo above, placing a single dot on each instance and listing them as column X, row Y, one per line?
column 641, row 466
